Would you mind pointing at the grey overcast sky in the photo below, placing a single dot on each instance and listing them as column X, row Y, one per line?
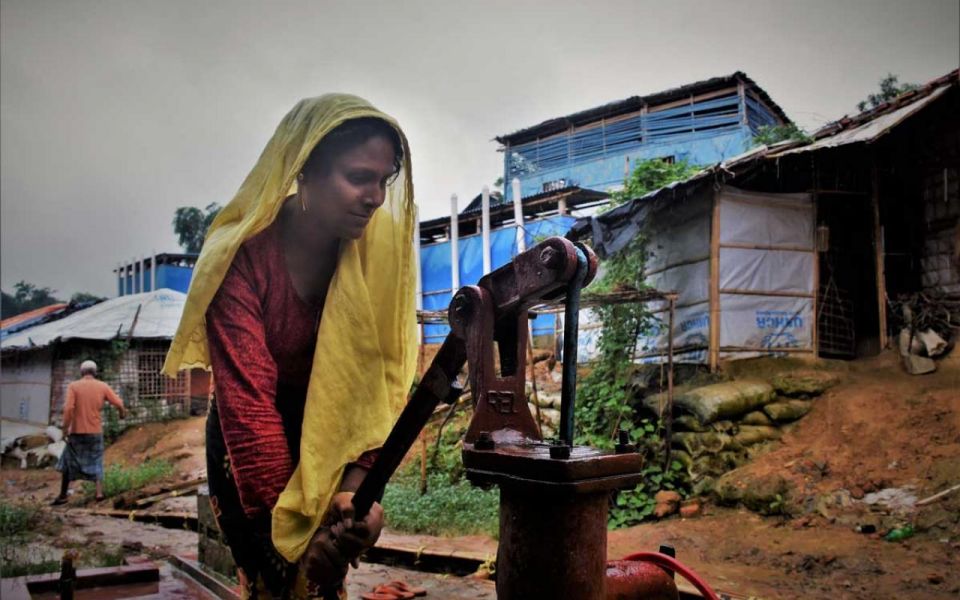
column 114, row 113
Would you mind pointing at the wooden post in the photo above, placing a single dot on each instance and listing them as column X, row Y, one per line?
column 714, row 347
column 533, row 378
column 416, row 254
column 423, row 432
column 668, row 428
column 815, row 333
column 879, row 254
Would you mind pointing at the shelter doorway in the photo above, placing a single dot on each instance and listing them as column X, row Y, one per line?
column 848, row 320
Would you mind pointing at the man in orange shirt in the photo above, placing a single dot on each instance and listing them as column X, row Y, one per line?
column 82, row 457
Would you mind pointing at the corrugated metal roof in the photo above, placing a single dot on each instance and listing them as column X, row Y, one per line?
column 574, row 195
column 864, row 127
column 635, row 103
column 870, row 130
column 156, row 315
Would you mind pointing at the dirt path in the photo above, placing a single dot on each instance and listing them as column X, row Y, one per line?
column 879, row 428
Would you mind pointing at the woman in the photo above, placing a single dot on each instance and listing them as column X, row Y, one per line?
column 302, row 305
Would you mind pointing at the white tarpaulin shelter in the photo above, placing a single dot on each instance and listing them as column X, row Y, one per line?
column 744, row 267
column 151, row 315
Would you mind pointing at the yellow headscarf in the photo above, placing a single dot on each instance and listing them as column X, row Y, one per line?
column 365, row 356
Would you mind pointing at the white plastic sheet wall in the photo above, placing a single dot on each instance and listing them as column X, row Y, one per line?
column 766, row 276
column 766, row 272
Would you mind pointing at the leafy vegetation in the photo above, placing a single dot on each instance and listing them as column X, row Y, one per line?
column 27, row 296
column 451, row 505
column 118, row 479
column 20, row 523
column 191, row 224
column 16, row 519
column 633, row 506
column 446, row 509
column 890, row 88
column 767, row 135
column 605, row 403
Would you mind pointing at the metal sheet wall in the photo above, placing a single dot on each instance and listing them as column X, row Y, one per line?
column 25, row 387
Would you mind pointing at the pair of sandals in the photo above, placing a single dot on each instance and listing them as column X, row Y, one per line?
column 395, row 590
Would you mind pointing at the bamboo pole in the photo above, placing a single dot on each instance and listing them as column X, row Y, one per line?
column 879, row 255
column 815, row 330
column 423, row 433
column 714, row 353
column 533, row 379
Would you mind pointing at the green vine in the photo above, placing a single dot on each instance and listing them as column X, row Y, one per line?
column 107, row 358
column 605, row 402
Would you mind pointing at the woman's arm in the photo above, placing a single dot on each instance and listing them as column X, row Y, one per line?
column 245, row 379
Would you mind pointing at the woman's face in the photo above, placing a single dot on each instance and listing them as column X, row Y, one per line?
column 341, row 199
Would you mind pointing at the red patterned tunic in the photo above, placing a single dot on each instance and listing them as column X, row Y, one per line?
column 262, row 337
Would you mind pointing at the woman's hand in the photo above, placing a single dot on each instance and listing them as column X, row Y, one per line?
column 339, row 542
column 323, row 563
column 352, row 536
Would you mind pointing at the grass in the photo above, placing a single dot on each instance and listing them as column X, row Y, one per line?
column 17, row 519
column 448, row 509
column 17, row 568
column 118, row 479
column 19, row 524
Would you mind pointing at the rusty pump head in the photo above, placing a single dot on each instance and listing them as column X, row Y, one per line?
column 553, row 495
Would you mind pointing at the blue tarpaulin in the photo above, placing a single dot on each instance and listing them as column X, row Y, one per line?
column 437, row 277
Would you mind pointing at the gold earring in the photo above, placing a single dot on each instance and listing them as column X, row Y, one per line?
column 303, row 203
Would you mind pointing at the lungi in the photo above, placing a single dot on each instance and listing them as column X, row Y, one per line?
column 82, row 458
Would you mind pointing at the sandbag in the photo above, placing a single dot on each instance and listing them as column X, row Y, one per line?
column 682, row 457
column 804, row 383
column 54, row 433
column 725, row 400
column 56, row 449
column 757, row 417
column 698, row 444
column 725, row 426
column 755, row 434
column 785, row 411
column 29, row 442
column 688, row 423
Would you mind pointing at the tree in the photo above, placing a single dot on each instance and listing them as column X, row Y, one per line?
column 890, row 88
column 191, row 224
column 26, row 297
column 768, row 135
column 85, row 298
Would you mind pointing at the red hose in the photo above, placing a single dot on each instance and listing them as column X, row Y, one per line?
column 672, row 564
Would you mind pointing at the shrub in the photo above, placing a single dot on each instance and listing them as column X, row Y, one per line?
column 118, row 479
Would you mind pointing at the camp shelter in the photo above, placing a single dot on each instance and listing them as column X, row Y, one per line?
column 802, row 248
column 127, row 336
